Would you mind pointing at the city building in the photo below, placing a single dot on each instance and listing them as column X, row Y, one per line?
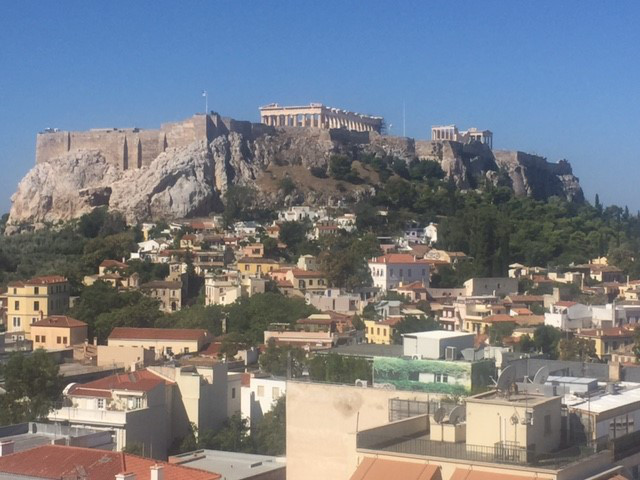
column 319, row 116
column 497, row 286
column 608, row 340
column 394, row 269
column 256, row 266
column 259, row 395
column 58, row 331
column 436, row 344
column 163, row 341
column 335, row 300
column 168, row 293
column 32, row 300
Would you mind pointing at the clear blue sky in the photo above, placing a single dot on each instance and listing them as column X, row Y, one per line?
column 560, row 79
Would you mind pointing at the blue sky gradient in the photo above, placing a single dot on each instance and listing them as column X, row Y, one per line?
column 560, row 79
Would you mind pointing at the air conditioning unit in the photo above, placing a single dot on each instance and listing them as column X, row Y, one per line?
column 362, row 383
column 451, row 353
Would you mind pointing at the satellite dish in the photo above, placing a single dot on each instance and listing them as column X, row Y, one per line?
column 514, row 419
column 458, row 414
column 439, row 414
column 506, row 379
column 541, row 375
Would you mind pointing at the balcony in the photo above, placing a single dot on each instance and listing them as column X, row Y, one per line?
column 409, row 437
column 89, row 416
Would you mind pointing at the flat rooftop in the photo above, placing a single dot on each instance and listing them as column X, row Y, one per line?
column 438, row 334
column 231, row 465
column 520, row 399
column 367, row 350
column 601, row 401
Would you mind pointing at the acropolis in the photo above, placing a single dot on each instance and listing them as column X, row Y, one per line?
column 319, row 116
column 451, row 133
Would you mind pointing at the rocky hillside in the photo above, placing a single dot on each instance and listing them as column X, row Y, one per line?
column 192, row 180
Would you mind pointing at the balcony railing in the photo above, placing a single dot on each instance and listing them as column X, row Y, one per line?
column 499, row 453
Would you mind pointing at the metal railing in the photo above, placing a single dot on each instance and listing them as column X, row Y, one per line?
column 500, row 453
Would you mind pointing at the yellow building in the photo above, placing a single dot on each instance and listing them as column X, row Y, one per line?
column 608, row 340
column 58, row 331
column 256, row 266
column 381, row 333
column 31, row 300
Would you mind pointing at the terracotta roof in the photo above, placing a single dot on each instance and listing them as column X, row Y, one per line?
column 212, row 350
column 499, row 318
column 379, row 469
column 257, row 260
column 391, row 321
column 45, row 280
column 526, row 298
column 415, row 286
column 563, row 303
column 299, row 273
column 284, row 284
column 59, row 461
column 161, row 284
column 522, row 311
column 113, row 264
column 139, row 381
column 396, row 258
column 464, row 474
column 245, row 379
column 607, row 332
column 61, row 321
column 130, row 333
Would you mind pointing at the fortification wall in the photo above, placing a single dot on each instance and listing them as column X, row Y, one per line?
column 51, row 145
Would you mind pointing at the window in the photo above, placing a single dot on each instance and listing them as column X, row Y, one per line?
column 378, row 332
column 36, row 290
column 16, row 321
column 547, row 424
column 43, row 338
column 246, row 268
column 58, row 339
column 15, row 291
column 38, row 338
column 100, row 403
column 16, row 305
column 136, row 402
column 33, row 320
column 260, row 390
column 437, row 378
column 233, row 393
column 169, row 351
column 275, row 392
column 445, row 378
column 64, row 340
column 186, row 349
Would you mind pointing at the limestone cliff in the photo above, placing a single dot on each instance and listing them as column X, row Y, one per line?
column 191, row 180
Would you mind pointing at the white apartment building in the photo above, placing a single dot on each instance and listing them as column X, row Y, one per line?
column 260, row 396
column 394, row 269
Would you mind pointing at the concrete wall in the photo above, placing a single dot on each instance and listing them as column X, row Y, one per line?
column 124, row 355
column 322, row 422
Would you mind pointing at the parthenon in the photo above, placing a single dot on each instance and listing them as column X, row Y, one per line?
column 319, row 116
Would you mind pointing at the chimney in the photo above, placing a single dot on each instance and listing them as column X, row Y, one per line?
column 6, row 448
column 157, row 472
column 126, row 476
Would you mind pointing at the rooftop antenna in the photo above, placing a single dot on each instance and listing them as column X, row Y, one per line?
column 541, row 375
column 506, row 380
column 206, row 101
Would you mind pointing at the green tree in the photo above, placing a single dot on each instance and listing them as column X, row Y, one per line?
column 270, row 434
column 412, row 324
column 294, row 235
column 335, row 368
column 545, row 340
column 343, row 259
column 498, row 331
column 33, row 386
column 340, row 167
column 277, row 360
column 576, row 349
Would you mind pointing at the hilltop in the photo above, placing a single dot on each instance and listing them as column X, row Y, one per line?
column 162, row 174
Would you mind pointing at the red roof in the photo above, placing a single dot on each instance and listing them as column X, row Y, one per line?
column 140, row 381
column 130, row 333
column 563, row 303
column 397, row 258
column 61, row 321
column 381, row 469
column 113, row 264
column 59, row 461
column 299, row 273
column 45, row 280
column 607, row 332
